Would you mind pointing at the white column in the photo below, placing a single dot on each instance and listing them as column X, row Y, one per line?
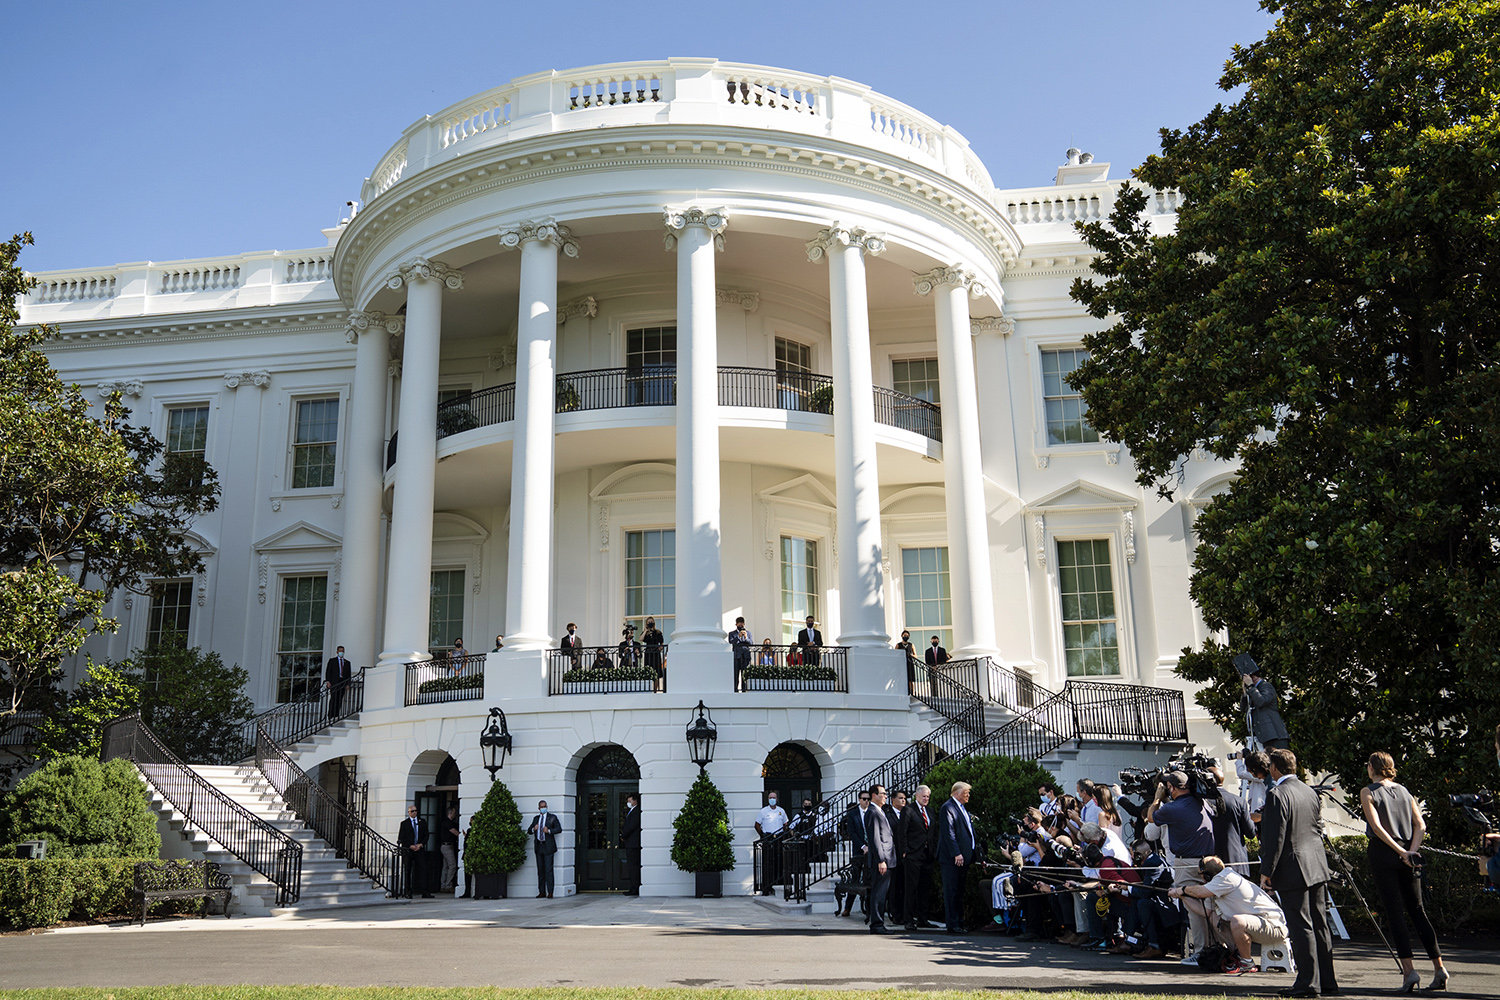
column 963, row 474
column 408, row 590
column 696, row 235
column 364, row 484
column 861, row 587
column 532, row 470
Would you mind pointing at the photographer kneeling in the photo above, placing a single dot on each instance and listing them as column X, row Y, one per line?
column 1190, row 838
column 1250, row 912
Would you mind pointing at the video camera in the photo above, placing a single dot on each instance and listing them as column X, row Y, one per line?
column 1472, row 803
column 1197, row 766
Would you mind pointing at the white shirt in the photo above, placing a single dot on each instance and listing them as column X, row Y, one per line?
column 1114, row 847
column 772, row 819
column 1236, row 895
column 1089, row 813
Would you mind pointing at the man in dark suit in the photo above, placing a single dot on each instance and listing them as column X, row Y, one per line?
column 918, row 842
column 1260, row 704
column 854, row 832
column 544, row 830
column 810, row 641
column 1293, row 862
column 335, row 678
column 936, row 655
column 630, row 840
column 955, row 851
column 412, row 839
column 573, row 645
column 880, row 837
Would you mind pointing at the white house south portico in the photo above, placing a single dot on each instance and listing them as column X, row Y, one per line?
column 680, row 341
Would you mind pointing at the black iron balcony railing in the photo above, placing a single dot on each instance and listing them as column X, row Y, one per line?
column 292, row 722
column 792, row 668
column 445, row 678
column 656, row 385
column 607, row 670
column 951, row 688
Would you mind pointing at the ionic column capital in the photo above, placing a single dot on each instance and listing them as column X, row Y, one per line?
column 954, row 275
column 1003, row 325
column 844, row 236
column 422, row 269
column 542, row 230
column 359, row 323
column 715, row 220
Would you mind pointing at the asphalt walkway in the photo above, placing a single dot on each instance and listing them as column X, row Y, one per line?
column 618, row 941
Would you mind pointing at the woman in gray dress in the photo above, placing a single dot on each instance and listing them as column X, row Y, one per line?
column 1395, row 830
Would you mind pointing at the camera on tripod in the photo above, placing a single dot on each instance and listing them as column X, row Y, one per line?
column 1197, row 766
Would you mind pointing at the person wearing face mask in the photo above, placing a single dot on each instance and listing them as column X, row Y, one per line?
column 936, row 654
column 573, row 645
column 911, row 656
column 740, row 641
column 769, row 824
column 543, row 832
column 499, row 644
column 654, row 643
column 456, row 656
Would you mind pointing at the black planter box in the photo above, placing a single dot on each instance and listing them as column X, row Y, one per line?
column 708, row 884
column 489, row 886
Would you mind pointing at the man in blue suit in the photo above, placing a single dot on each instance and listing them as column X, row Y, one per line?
column 955, row 853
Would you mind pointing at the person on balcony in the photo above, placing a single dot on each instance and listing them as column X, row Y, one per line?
column 740, row 641
column 335, row 679
column 655, row 644
column 793, row 656
column 936, row 654
column 573, row 645
column 601, row 660
column 767, row 657
column 456, row 661
column 911, row 657
column 630, row 650
column 810, row 640
column 499, row 644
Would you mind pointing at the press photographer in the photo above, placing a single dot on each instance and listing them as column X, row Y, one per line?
column 1188, row 823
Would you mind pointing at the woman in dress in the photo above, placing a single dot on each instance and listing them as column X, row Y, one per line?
column 767, row 655
column 1394, row 827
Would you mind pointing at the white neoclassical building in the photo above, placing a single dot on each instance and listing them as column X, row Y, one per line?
column 687, row 340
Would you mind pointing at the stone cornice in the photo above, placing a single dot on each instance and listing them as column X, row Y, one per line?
column 844, row 236
column 715, row 220
column 954, row 275
column 359, row 323
column 252, row 321
column 544, row 231
column 422, row 269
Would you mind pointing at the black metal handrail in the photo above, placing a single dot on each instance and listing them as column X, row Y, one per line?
column 951, row 688
column 267, row 850
column 610, row 388
column 897, row 409
column 1014, row 689
column 1107, row 710
column 776, row 389
column 351, row 838
column 444, row 679
column 294, row 721
column 607, row 670
column 794, row 668
column 481, row 408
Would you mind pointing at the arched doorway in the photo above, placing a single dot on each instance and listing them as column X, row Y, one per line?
column 792, row 772
column 433, row 783
column 605, row 778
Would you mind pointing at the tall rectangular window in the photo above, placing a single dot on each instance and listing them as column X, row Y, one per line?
column 316, row 443
column 916, row 377
column 187, row 440
column 1091, row 642
column 445, row 620
column 299, row 644
column 171, row 612
column 651, row 579
column 929, row 601
column 1067, row 413
column 799, row 585
column 792, row 356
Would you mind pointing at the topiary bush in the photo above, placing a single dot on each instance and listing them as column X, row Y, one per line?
column 496, row 844
column 701, row 834
column 84, row 809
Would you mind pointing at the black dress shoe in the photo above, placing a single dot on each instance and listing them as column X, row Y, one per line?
column 878, row 929
column 1298, row 994
column 541, row 895
column 549, row 895
column 911, row 928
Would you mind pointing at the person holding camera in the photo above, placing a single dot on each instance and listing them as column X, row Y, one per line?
column 1250, row 912
column 1155, row 913
column 1260, row 702
column 1190, row 838
column 1394, row 828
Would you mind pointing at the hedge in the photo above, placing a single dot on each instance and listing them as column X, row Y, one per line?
column 1452, row 899
column 440, row 684
column 580, row 675
column 42, row 893
column 791, row 672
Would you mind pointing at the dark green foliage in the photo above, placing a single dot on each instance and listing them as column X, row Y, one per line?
column 1453, row 900
column 438, row 685
column 583, row 674
column 792, row 672
column 1326, row 314
column 701, row 834
column 42, row 893
column 1002, row 787
column 496, row 844
column 83, row 809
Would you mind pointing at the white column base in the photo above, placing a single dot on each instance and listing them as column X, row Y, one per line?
column 866, row 640
column 390, row 656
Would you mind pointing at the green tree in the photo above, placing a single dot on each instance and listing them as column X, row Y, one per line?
column 76, row 727
column 1325, row 314
column 84, row 809
column 496, row 844
column 89, row 506
column 701, row 834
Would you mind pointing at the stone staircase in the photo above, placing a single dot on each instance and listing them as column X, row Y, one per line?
column 338, row 740
column 326, row 880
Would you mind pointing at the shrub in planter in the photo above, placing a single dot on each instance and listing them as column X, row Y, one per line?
column 496, row 845
column 580, row 674
column 793, row 672
column 440, row 684
column 568, row 399
column 84, row 809
column 701, row 834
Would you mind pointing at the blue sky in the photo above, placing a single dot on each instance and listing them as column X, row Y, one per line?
column 155, row 131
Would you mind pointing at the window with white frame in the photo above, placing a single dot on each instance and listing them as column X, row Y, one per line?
column 651, row 579
column 1067, row 413
column 171, row 612
column 651, row 347
column 799, row 585
column 187, row 439
column 927, row 598
column 916, row 377
column 1091, row 640
column 315, row 445
column 299, row 644
column 793, row 357
column 445, row 617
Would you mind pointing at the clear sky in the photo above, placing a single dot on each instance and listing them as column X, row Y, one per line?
column 156, row 131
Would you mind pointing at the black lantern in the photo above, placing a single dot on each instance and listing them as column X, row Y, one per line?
column 494, row 742
column 702, row 734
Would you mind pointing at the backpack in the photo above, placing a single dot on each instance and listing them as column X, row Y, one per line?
column 1216, row 957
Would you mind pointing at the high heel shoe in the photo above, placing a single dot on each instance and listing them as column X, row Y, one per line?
column 1439, row 982
column 1410, row 980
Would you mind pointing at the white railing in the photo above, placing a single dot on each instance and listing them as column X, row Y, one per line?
column 318, row 267
column 1069, row 203
column 699, row 91
column 209, row 278
column 92, row 286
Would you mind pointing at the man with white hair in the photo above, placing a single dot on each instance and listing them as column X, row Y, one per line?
column 1250, row 912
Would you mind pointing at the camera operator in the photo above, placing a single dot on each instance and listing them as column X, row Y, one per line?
column 1253, row 767
column 1059, row 862
column 1232, row 827
column 1259, row 702
column 1035, row 906
column 1049, row 795
column 1190, row 838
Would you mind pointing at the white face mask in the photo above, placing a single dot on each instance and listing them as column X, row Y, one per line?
column 771, row 800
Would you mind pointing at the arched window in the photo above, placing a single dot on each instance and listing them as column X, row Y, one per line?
column 792, row 772
column 609, row 763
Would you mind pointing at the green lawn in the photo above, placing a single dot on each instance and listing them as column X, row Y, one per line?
column 492, row 993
